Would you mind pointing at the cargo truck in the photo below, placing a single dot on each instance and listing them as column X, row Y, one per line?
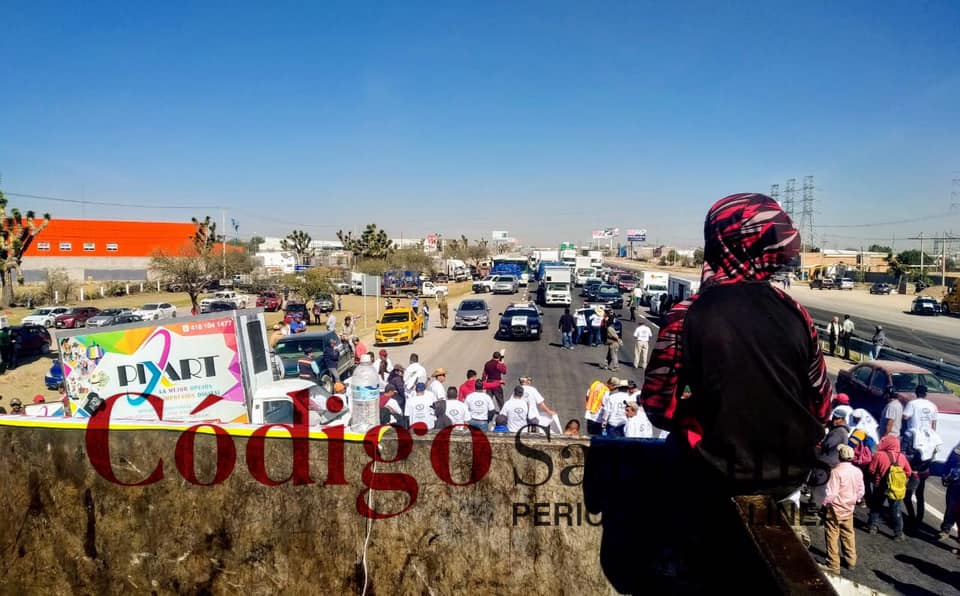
column 554, row 288
column 207, row 368
column 682, row 288
column 654, row 284
column 596, row 258
column 582, row 269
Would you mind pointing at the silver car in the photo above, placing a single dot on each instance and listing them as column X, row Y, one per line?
column 505, row 284
column 106, row 316
column 472, row 314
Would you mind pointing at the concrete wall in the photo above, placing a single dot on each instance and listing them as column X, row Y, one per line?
column 68, row 530
column 81, row 268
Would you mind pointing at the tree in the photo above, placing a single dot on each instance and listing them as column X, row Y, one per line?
column 879, row 248
column 16, row 234
column 410, row 259
column 311, row 282
column 697, row 257
column 373, row 243
column 912, row 257
column 253, row 245
column 298, row 242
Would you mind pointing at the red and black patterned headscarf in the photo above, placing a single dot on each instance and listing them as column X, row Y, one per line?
column 747, row 237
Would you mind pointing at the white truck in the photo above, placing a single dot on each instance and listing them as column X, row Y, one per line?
column 356, row 283
column 432, row 290
column 240, row 300
column 213, row 367
column 456, row 270
column 654, row 284
column 682, row 287
column 596, row 259
column 569, row 257
column 555, row 287
column 582, row 269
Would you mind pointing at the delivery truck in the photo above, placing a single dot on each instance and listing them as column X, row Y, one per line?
column 554, row 288
column 682, row 288
column 654, row 284
column 208, row 368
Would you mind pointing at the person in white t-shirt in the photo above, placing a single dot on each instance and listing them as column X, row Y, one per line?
column 517, row 410
column 456, row 410
column 614, row 414
column 414, row 373
column 418, row 408
column 920, row 412
column 480, row 407
column 435, row 386
column 638, row 425
column 538, row 406
column 641, row 337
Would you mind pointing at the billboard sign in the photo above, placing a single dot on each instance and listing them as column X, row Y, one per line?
column 636, row 235
column 606, row 233
column 500, row 235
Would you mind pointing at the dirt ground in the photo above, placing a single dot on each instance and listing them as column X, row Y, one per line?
column 26, row 381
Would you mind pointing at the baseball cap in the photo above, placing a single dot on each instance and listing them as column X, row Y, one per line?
column 15, row 402
column 615, row 382
column 383, row 353
column 421, row 387
column 845, row 452
column 627, row 403
column 843, row 398
column 39, row 399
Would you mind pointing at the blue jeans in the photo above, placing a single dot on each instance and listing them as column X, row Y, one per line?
column 566, row 339
column 897, row 519
column 875, row 352
column 480, row 424
column 426, row 324
column 578, row 334
column 595, row 336
column 615, row 431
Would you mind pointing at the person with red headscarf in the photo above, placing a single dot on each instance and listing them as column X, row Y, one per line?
column 749, row 352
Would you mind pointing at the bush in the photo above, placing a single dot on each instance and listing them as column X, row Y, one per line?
column 58, row 287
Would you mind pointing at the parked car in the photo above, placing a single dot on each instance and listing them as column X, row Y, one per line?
column 881, row 288
column 325, row 302
column 296, row 311
column 75, row 317
column 44, row 316
column 398, row 325
column 505, row 284
column 520, row 321
column 587, row 312
column 54, row 376
column 925, row 305
column 154, row 311
column 122, row 319
column 608, row 296
column 291, row 348
column 35, row 338
column 844, row 283
column 105, row 316
column 868, row 385
column 825, row 283
column 484, row 285
column 270, row 301
column 221, row 306
column 472, row 313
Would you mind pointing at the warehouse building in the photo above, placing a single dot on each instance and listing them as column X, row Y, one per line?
column 100, row 250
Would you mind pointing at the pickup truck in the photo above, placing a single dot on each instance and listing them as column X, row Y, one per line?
column 270, row 301
column 224, row 295
column 483, row 285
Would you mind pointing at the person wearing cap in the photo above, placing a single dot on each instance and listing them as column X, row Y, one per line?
column 414, row 371
column 878, row 340
column 307, row 366
column 517, row 411
column 16, row 407
column 418, row 410
column 593, row 404
column 638, row 425
column 279, row 330
column 538, row 405
column 395, row 380
column 843, row 491
column 841, row 403
column 437, row 380
column 614, row 414
column 456, row 410
column 480, row 406
column 467, row 387
column 838, row 434
column 493, row 372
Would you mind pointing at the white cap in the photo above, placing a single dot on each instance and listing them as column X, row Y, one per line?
column 368, row 358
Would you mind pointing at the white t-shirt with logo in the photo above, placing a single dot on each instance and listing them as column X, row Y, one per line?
column 479, row 405
column 639, row 426
column 457, row 411
column 534, row 398
column 516, row 410
column 615, row 413
column 418, row 410
column 920, row 413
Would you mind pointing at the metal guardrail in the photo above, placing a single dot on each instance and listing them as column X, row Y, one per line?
column 945, row 370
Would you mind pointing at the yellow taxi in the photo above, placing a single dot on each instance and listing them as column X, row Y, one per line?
column 398, row 325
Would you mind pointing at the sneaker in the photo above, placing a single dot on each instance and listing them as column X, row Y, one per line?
column 874, row 529
column 899, row 538
column 942, row 536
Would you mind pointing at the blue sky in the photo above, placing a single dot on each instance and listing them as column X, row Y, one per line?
column 546, row 119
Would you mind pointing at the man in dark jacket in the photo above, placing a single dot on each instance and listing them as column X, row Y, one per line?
column 838, row 434
column 331, row 359
column 567, row 325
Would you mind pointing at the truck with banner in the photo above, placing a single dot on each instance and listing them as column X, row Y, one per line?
column 211, row 367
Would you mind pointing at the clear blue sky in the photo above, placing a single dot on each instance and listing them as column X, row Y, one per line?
column 546, row 119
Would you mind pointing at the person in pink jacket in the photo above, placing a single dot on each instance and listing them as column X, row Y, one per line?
column 888, row 453
column 844, row 491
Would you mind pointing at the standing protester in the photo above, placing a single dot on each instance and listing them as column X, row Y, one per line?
column 641, row 337
column 539, row 410
column 567, row 325
column 951, row 480
column 339, row 302
column 889, row 471
column 838, row 433
column 331, row 358
column 596, row 322
column 331, row 322
column 844, row 491
column 444, row 310
column 415, row 303
column 833, row 332
column 426, row 316
column 879, row 340
column 517, row 411
column 480, row 406
column 614, row 415
column 438, row 378
column 468, row 386
column 418, row 408
column 456, row 410
column 395, row 380
column 892, row 416
column 846, row 332
column 613, row 342
column 920, row 442
column 632, row 301
column 725, row 424
column 581, row 329
column 493, row 372
column 638, row 425
column 414, row 374
column 593, row 404
column 316, row 313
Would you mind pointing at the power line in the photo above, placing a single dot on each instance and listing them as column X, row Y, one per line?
column 890, row 223
column 111, row 204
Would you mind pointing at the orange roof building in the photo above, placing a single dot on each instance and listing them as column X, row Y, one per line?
column 101, row 250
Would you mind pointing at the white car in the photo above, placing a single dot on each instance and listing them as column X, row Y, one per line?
column 154, row 311
column 45, row 316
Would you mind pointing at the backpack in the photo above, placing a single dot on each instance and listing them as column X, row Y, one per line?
column 896, row 480
column 862, row 454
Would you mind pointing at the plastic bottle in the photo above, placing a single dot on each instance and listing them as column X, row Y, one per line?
column 365, row 390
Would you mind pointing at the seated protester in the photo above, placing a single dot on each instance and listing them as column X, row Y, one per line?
column 500, row 424
column 517, row 410
column 297, row 326
column 390, row 410
column 456, row 410
column 441, row 421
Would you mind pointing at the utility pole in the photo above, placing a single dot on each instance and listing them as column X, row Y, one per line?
column 223, row 226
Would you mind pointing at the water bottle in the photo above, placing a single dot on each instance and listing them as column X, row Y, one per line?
column 365, row 392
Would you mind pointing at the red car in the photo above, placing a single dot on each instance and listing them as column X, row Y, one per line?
column 75, row 317
column 269, row 301
column 626, row 282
